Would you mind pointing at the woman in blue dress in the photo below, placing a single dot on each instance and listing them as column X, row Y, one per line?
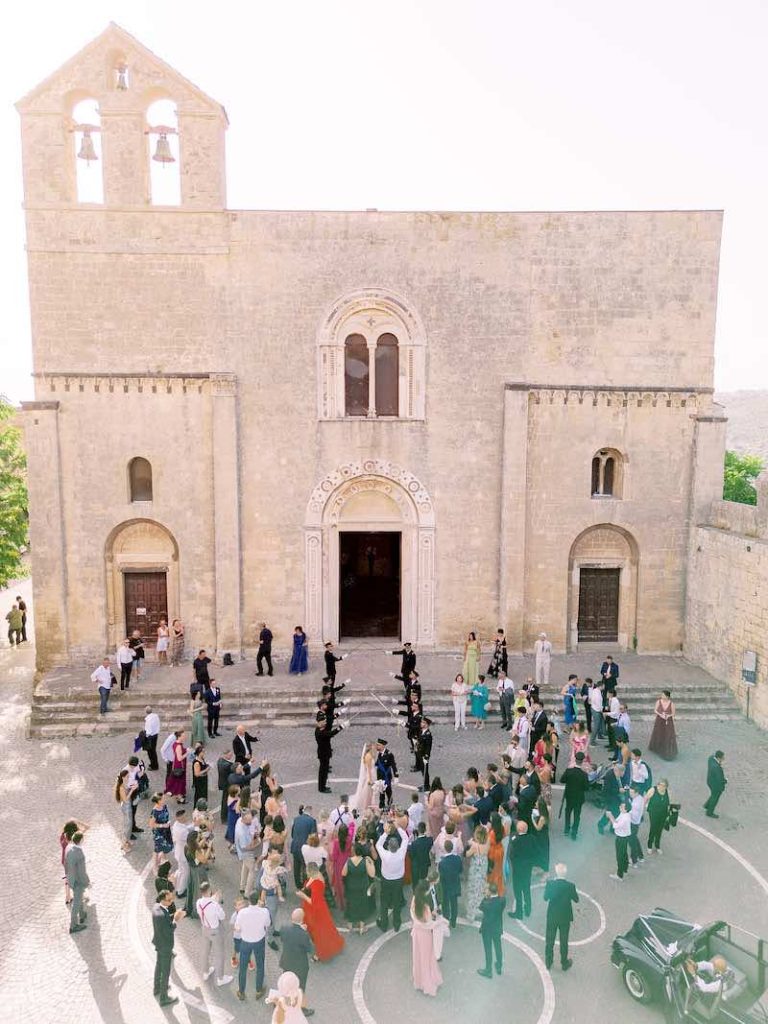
column 569, row 704
column 300, row 657
column 479, row 695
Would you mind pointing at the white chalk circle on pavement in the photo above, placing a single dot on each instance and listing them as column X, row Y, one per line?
column 573, row 942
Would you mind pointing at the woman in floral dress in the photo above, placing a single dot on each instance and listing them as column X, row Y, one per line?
column 160, row 823
column 477, row 854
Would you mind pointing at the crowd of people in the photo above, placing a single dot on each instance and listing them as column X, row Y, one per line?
column 472, row 847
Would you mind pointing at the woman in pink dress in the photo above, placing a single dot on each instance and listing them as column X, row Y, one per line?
column 176, row 783
column 426, row 974
column 580, row 742
column 341, row 850
column 435, row 808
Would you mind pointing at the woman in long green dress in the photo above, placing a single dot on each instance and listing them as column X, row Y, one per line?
column 471, row 661
column 198, row 729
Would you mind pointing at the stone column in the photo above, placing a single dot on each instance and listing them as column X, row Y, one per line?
column 226, row 513
column 40, row 421
column 708, row 457
column 513, row 513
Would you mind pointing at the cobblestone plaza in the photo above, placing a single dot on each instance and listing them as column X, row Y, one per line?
column 710, row 870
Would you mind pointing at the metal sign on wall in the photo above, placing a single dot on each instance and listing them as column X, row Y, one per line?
column 749, row 668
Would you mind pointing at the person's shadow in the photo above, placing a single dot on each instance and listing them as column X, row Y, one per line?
column 105, row 984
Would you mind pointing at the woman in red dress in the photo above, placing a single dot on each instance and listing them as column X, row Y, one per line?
column 176, row 783
column 496, row 835
column 317, row 916
column 341, row 849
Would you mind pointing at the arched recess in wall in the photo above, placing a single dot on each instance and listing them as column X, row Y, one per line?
column 142, row 578
column 371, row 358
column 371, row 496
column 603, row 569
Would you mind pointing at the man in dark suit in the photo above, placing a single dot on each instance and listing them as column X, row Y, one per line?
column 560, row 895
column 576, row 785
column 539, row 722
column 296, row 950
column 224, row 768
column 264, row 652
column 526, row 798
column 77, row 877
column 420, row 851
column 424, row 751
column 716, row 781
column 242, row 744
column 409, row 660
column 213, row 700
column 163, row 928
column 324, row 733
column 609, row 674
column 613, row 790
column 302, row 828
column 386, row 772
column 330, row 663
column 491, row 928
column 521, row 853
column 449, row 869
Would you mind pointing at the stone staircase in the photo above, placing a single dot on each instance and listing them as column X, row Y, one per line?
column 272, row 702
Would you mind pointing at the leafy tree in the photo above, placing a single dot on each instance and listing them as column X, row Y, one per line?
column 14, row 507
column 740, row 471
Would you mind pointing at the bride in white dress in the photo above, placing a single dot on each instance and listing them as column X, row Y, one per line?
column 362, row 798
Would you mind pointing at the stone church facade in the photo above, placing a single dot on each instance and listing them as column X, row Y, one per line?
column 372, row 424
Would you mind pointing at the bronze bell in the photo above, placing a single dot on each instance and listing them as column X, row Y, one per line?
column 87, row 150
column 163, row 153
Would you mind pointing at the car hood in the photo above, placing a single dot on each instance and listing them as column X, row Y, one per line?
column 668, row 932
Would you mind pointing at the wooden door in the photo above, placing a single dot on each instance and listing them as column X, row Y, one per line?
column 599, row 605
column 146, row 602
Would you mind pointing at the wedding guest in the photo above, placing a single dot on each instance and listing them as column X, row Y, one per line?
column 491, row 929
column 296, row 950
column 78, row 881
column 151, row 731
column 163, row 928
column 521, row 853
column 125, row 661
column 163, row 640
column 177, row 642
column 251, row 924
column 658, row 814
column 426, row 974
column 450, row 871
column 357, row 874
column 212, row 922
column 663, row 740
column 560, row 895
column 264, row 653
column 392, row 848
column 716, row 782
column 479, row 701
column 327, row 941
column 299, row 663
column 542, row 650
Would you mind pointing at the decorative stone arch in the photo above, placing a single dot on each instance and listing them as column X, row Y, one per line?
column 370, row 495
column 605, row 546
column 371, row 312
column 142, row 545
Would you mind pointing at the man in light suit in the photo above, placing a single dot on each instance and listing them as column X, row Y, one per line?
column 560, row 895
column 77, row 876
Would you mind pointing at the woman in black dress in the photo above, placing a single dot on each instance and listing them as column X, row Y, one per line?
column 657, row 809
column 199, row 774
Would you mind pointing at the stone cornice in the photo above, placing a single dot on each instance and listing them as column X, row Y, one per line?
column 140, row 383
column 610, row 395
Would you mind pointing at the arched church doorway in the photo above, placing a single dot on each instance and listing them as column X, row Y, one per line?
column 602, row 598
column 370, row 555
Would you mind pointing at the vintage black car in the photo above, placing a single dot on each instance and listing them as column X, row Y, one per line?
column 652, row 958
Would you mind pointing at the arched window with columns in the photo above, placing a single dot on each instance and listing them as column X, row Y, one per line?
column 371, row 359
column 607, row 474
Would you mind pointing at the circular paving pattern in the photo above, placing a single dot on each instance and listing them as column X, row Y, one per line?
column 573, row 942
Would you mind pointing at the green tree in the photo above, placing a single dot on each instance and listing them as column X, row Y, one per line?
column 740, row 471
column 14, row 507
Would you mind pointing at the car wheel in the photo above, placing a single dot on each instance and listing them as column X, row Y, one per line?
column 637, row 985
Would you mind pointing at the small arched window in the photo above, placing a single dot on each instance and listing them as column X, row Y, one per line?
column 387, row 374
column 140, row 479
column 356, row 375
column 607, row 474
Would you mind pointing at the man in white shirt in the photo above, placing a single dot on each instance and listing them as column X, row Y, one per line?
column 596, row 703
column 636, row 811
column 622, row 830
column 640, row 776
column 522, row 729
column 103, row 677
column 624, row 722
column 542, row 650
column 517, row 755
column 166, row 751
column 415, row 813
column 212, row 918
column 151, row 731
column 447, row 832
column 612, row 719
column 246, row 844
column 252, row 924
column 342, row 815
column 125, row 663
column 179, row 832
column 708, row 975
column 392, row 847
column 506, row 691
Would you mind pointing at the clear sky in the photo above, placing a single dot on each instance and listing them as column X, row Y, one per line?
column 436, row 104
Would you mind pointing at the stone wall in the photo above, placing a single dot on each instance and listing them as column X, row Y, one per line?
column 727, row 596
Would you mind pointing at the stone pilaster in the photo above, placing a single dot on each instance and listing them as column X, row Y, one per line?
column 40, row 421
column 513, row 513
column 226, row 513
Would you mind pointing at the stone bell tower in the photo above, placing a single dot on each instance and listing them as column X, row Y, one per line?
column 117, row 80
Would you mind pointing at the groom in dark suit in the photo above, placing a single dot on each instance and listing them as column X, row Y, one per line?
column 560, row 894
column 449, row 869
column 386, row 772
